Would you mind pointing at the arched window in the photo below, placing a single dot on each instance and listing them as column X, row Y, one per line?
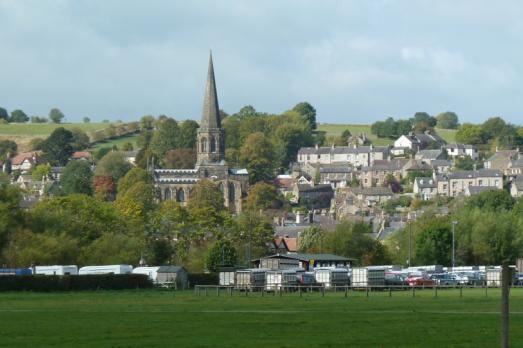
column 203, row 144
column 167, row 194
column 180, row 196
column 232, row 193
column 213, row 144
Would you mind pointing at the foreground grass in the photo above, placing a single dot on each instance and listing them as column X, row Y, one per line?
column 164, row 318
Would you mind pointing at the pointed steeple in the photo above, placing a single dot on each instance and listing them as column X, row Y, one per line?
column 211, row 111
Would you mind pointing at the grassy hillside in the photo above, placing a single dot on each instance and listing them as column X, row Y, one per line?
column 118, row 142
column 44, row 129
column 22, row 133
column 155, row 318
column 337, row 129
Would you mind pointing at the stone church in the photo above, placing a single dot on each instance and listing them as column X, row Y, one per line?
column 176, row 184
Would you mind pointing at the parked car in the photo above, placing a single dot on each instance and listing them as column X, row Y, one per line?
column 445, row 279
column 420, row 280
column 396, row 279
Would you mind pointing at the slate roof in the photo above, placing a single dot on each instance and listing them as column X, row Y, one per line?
column 423, row 182
column 308, row 257
column 341, row 150
column 384, row 165
column 170, row 269
column 335, row 169
column 429, row 154
column 474, row 190
column 373, row 191
column 468, row 174
column 460, row 146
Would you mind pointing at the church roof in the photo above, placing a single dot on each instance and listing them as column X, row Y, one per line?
column 211, row 111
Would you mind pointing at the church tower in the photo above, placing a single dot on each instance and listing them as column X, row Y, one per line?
column 211, row 140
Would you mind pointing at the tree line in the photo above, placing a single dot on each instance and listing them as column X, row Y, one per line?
column 19, row 116
column 419, row 123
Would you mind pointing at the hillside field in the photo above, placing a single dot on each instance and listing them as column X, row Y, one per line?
column 337, row 129
column 163, row 318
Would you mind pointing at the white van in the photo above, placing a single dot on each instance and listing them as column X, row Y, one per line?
column 57, row 270
column 107, row 269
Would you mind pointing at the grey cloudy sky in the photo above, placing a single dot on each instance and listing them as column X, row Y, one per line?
column 355, row 61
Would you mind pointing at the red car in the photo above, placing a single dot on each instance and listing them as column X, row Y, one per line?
column 420, row 281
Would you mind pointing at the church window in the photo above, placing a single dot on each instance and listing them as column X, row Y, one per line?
column 167, row 194
column 180, row 196
column 213, row 144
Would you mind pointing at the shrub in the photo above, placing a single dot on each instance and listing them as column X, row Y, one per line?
column 43, row 283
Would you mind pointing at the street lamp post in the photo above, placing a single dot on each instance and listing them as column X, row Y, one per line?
column 454, row 223
column 410, row 239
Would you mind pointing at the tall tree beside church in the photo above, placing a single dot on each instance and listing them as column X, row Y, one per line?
column 307, row 112
column 166, row 137
column 58, row 148
column 257, row 155
column 188, row 132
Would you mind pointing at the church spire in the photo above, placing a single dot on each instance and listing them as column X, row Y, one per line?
column 211, row 111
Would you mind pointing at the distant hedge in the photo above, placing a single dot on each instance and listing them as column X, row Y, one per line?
column 202, row 279
column 44, row 283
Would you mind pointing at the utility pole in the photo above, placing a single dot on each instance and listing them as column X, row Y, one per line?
column 454, row 223
column 410, row 238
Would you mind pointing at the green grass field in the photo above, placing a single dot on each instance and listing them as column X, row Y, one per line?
column 337, row 129
column 181, row 319
column 44, row 129
column 118, row 142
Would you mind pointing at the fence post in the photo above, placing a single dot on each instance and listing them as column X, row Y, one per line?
column 367, row 291
column 299, row 290
column 217, row 291
column 346, row 290
column 205, row 291
column 413, row 291
column 435, row 291
column 486, row 288
column 505, row 284
column 390, row 291
column 460, row 291
column 323, row 291
column 263, row 292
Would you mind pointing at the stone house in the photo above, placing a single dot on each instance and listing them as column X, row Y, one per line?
column 455, row 184
column 421, row 141
column 376, row 175
column 425, row 187
column 353, row 155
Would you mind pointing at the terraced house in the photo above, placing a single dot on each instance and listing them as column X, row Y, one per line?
column 354, row 155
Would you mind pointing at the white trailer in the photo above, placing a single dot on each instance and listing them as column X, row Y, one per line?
column 56, row 270
column 106, row 269
column 282, row 279
column 331, row 277
column 251, row 278
column 368, row 276
column 151, row 272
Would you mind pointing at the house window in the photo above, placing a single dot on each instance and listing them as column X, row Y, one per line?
column 480, row 182
column 308, row 157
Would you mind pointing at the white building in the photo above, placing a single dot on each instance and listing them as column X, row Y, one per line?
column 353, row 155
column 462, row 150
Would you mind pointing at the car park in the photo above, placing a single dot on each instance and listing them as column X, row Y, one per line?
column 420, row 280
column 447, row 279
column 395, row 279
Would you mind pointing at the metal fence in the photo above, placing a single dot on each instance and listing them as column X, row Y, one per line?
column 346, row 290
